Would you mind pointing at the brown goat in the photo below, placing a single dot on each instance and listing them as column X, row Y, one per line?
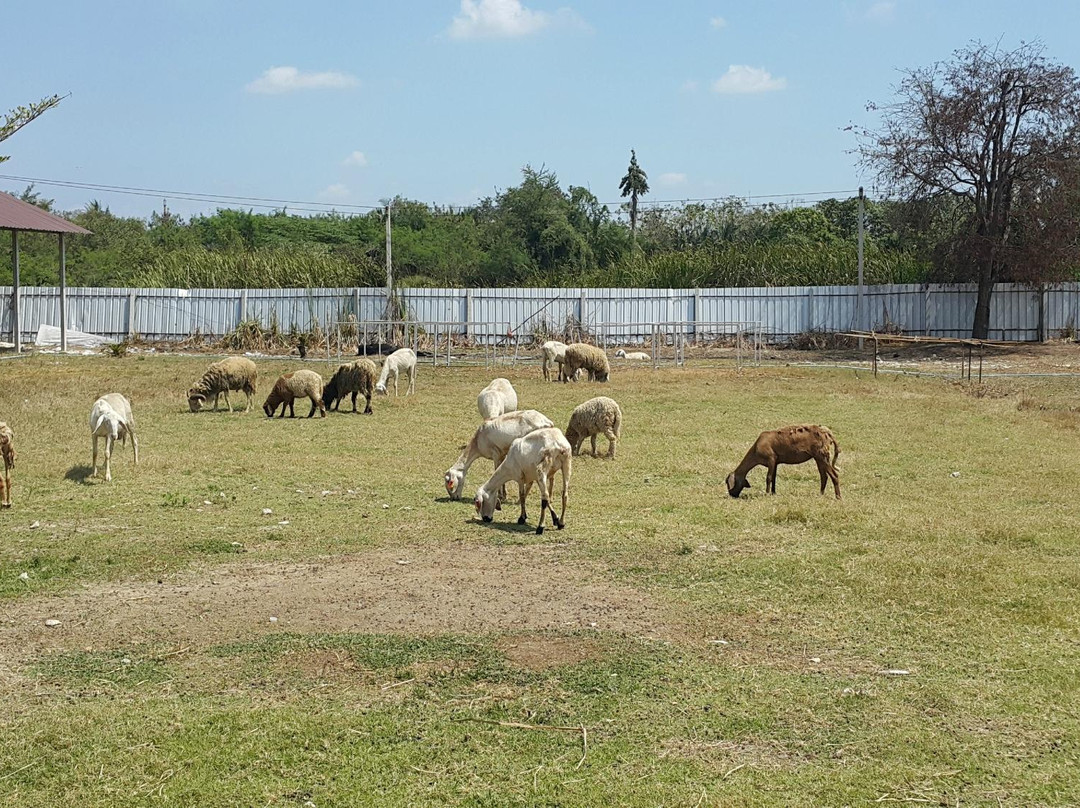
column 790, row 446
column 7, row 452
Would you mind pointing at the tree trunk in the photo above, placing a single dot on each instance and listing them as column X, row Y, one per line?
column 980, row 328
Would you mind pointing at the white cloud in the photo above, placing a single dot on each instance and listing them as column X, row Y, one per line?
column 506, row 19
column 673, row 178
column 278, row 80
column 357, row 158
column 883, row 11
column 335, row 193
column 746, row 79
column 718, row 22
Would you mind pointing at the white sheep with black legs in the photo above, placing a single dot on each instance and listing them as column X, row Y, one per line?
column 403, row 359
column 534, row 458
column 492, row 440
column 497, row 398
column 597, row 416
column 111, row 419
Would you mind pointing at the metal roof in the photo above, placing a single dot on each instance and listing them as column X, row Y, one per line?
column 18, row 215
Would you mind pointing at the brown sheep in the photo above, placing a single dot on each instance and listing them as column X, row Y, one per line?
column 593, row 359
column 7, row 451
column 789, row 446
column 355, row 377
column 291, row 386
column 231, row 373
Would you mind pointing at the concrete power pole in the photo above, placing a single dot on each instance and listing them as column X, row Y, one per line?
column 861, row 310
column 389, row 269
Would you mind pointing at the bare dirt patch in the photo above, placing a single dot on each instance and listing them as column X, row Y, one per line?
column 542, row 653
column 416, row 591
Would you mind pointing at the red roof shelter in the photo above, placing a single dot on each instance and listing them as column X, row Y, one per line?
column 18, row 216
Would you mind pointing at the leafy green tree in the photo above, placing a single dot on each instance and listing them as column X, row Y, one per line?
column 19, row 117
column 633, row 185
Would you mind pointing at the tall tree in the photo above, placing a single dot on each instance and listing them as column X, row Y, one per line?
column 21, row 116
column 633, row 185
column 990, row 127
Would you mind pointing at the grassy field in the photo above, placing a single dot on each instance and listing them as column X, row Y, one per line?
column 369, row 643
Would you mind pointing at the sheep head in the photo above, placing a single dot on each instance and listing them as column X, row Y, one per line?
column 485, row 503
column 735, row 485
column 195, row 400
column 453, row 480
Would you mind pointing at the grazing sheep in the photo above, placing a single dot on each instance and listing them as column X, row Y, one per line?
column 594, row 360
column 534, row 458
column 790, row 446
column 553, row 351
column 111, row 419
column 597, row 416
column 232, row 373
column 634, row 356
column 492, row 440
column 399, row 360
column 291, row 386
column 355, row 377
column 497, row 398
column 7, row 451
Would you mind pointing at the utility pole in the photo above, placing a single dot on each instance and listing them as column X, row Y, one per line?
column 860, row 310
column 389, row 269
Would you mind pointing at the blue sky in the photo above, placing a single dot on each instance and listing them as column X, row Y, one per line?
column 445, row 100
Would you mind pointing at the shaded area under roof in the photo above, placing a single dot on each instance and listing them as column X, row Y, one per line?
column 18, row 215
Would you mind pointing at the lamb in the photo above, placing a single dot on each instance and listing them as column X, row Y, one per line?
column 355, row 377
column 232, row 373
column 597, row 416
column 111, row 419
column 594, row 360
column 492, row 440
column 534, row 458
column 7, row 451
column 497, row 398
column 553, row 351
column 399, row 360
column 291, row 386
column 791, row 445
column 634, row 356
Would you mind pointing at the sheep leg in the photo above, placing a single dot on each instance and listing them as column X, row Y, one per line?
column 770, row 479
column 94, row 440
column 828, row 472
column 134, row 444
column 5, row 487
column 412, row 381
column 108, row 458
column 248, row 407
column 354, row 395
column 545, row 504
column 523, row 494
column 367, row 406
column 610, row 443
column 314, row 406
column 547, row 374
column 565, row 493
column 592, row 440
column 227, row 402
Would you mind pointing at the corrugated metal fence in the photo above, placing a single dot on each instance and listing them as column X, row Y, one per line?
column 1018, row 312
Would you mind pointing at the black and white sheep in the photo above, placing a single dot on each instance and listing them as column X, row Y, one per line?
column 534, row 458
column 597, row 416
column 492, row 440
column 291, row 386
column 231, row 373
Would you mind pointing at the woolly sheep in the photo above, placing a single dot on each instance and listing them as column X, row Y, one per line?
column 593, row 359
column 355, row 377
column 7, row 451
column 291, row 386
column 403, row 359
column 597, row 416
column 634, row 356
column 789, row 446
column 111, row 419
column 492, row 440
column 534, row 458
column 232, row 373
column 497, row 398
column 553, row 351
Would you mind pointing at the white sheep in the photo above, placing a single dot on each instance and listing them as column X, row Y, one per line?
column 492, row 440
column 534, row 458
column 597, row 416
column 553, row 351
column 111, row 419
column 403, row 359
column 634, row 356
column 497, row 398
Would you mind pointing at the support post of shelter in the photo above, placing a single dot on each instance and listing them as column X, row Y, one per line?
column 63, row 297
column 16, row 326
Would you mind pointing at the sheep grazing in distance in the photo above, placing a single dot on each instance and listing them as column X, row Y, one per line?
column 592, row 359
column 553, row 351
column 355, row 377
column 111, row 419
column 789, row 446
column 403, row 359
column 633, row 356
column 7, row 451
column 497, row 398
column 232, row 373
column 291, row 386
column 597, row 416
column 534, row 458
column 492, row 440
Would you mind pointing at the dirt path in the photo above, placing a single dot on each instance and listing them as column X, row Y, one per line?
column 427, row 590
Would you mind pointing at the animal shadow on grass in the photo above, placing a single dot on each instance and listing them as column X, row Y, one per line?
column 79, row 474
